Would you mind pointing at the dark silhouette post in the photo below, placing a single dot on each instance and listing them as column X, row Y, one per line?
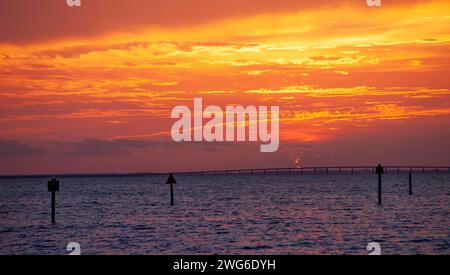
column 171, row 180
column 410, row 183
column 379, row 170
column 53, row 186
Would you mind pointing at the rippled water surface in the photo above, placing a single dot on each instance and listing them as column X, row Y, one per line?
column 233, row 214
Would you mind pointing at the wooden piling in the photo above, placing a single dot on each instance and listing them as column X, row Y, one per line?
column 171, row 180
column 53, row 207
column 171, row 195
column 379, row 189
column 379, row 170
column 410, row 183
column 53, row 187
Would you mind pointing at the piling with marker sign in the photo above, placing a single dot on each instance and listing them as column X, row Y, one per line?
column 53, row 186
column 379, row 170
column 171, row 180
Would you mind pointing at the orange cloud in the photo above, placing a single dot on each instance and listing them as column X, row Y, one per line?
column 332, row 71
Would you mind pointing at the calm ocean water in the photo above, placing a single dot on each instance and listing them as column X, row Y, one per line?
column 234, row 214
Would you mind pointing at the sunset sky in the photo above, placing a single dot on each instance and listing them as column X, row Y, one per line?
column 90, row 89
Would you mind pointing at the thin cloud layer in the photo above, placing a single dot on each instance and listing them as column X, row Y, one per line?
column 25, row 21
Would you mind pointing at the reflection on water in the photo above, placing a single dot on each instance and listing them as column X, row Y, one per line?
column 234, row 214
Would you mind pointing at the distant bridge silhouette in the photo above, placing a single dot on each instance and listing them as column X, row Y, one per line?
column 326, row 170
column 318, row 170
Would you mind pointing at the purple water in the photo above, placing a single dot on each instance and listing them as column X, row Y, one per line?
column 234, row 214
